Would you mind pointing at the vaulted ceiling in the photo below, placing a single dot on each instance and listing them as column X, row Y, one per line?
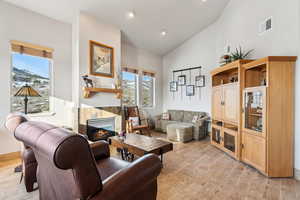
column 181, row 19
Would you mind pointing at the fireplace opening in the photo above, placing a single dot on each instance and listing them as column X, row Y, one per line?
column 100, row 128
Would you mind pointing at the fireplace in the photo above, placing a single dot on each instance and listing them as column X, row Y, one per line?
column 100, row 128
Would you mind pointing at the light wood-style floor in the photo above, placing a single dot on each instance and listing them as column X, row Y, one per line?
column 193, row 171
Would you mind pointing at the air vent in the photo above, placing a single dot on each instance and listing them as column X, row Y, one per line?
column 266, row 26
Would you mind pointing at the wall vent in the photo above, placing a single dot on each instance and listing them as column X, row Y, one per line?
column 266, row 26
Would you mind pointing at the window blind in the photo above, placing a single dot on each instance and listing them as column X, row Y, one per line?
column 30, row 49
column 147, row 73
column 131, row 70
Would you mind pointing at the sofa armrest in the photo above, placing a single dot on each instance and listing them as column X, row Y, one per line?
column 127, row 182
column 200, row 122
column 100, row 149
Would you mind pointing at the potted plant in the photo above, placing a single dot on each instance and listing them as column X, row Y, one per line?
column 238, row 54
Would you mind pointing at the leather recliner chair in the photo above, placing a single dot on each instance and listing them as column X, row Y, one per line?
column 68, row 168
column 29, row 163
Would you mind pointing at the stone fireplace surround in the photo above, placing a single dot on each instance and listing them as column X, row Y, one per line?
column 89, row 113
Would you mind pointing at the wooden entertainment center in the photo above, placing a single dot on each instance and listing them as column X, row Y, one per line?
column 253, row 113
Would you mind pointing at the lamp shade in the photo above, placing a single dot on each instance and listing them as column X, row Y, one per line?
column 27, row 91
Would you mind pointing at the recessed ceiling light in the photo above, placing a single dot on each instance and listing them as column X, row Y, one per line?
column 163, row 33
column 131, row 14
column 204, row 0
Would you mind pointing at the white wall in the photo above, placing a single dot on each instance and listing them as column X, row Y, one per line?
column 197, row 51
column 91, row 28
column 20, row 24
column 238, row 25
column 142, row 59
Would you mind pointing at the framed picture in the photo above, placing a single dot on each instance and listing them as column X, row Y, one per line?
column 190, row 90
column 101, row 60
column 173, row 86
column 200, row 81
column 181, row 80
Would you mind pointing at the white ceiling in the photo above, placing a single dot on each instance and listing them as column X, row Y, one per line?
column 180, row 18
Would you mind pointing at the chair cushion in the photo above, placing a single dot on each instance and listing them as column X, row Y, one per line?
column 135, row 121
column 109, row 166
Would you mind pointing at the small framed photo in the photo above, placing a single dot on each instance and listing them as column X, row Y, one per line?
column 200, row 81
column 181, row 80
column 190, row 90
column 173, row 86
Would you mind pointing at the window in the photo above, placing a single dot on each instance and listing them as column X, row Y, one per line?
column 32, row 67
column 147, row 91
column 129, row 84
column 138, row 89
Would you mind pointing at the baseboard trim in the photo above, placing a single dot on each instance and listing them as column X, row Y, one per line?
column 10, row 156
column 297, row 174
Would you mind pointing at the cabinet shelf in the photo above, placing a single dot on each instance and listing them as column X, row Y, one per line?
column 88, row 92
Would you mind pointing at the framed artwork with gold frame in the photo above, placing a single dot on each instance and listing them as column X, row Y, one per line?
column 101, row 60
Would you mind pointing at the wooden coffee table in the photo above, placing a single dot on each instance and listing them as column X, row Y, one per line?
column 134, row 144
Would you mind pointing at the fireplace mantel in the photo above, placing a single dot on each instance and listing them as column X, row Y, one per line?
column 88, row 92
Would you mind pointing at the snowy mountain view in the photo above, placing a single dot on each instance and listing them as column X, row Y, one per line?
column 129, row 85
column 33, row 71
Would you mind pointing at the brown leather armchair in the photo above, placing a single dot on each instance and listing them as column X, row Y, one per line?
column 29, row 163
column 67, row 168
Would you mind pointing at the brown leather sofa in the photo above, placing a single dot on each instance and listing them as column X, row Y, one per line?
column 29, row 164
column 69, row 168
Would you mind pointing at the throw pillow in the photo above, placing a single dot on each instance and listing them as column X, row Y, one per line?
column 195, row 118
column 134, row 120
column 166, row 116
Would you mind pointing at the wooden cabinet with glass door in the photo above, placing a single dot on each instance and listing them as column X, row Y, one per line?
column 226, row 107
column 267, row 115
column 254, row 127
column 216, row 135
column 224, row 137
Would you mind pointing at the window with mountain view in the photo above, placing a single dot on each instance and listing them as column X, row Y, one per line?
column 147, row 91
column 35, row 72
column 138, row 88
column 129, row 84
